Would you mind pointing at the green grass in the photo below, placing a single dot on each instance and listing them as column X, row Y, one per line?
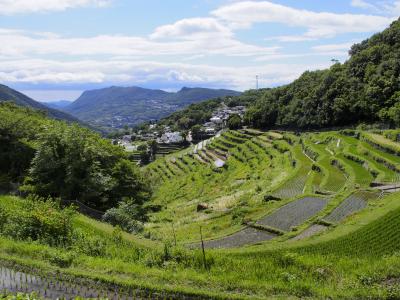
column 385, row 143
column 378, row 159
column 297, row 184
column 300, row 269
column 353, row 259
column 333, row 178
column 361, row 176
column 377, row 238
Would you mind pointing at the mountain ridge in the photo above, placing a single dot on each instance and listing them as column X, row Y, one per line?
column 118, row 106
column 9, row 94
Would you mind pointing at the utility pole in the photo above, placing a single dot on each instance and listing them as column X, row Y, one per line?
column 256, row 82
column 203, row 250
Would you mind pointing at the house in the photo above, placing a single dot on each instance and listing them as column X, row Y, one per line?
column 127, row 138
column 170, row 137
column 210, row 130
column 216, row 120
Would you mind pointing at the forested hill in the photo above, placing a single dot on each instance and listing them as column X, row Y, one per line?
column 8, row 94
column 366, row 88
column 119, row 106
column 199, row 113
column 50, row 158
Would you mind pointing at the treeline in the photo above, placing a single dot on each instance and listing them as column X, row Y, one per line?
column 365, row 89
column 51, row 158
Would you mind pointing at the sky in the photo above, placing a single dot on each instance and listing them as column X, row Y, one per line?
column 55, row 49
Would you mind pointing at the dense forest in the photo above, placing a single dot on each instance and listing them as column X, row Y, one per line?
column 366, row 88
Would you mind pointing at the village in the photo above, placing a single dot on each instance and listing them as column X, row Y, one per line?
column 164, row 135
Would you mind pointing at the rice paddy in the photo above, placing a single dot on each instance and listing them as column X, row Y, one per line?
column 295, row 215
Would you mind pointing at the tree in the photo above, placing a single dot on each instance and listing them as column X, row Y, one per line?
column 128, row 183
column 153, row 147
column 74, row 163
column 197, row 132
column 234, row 122
column 144, row 154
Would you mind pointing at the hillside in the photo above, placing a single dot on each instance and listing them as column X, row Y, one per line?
column 116, row 107
column 294, row 213
column 8, row 94
column 363, row 89
column 199, row 113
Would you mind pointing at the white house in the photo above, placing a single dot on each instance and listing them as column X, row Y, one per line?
column 170, row 137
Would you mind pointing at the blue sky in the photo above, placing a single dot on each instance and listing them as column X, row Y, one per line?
column 55, row 49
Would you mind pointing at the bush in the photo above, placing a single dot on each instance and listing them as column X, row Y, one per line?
column 128, row 216
column 89, row 244
column 234, row 122
column 37, row 219
column 59, row 259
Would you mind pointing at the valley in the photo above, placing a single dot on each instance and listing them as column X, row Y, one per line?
column 287, row 192
column 270, row 210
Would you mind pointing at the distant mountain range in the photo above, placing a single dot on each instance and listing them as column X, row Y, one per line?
column 8, row 94
column 115, row 107
column 57, row 104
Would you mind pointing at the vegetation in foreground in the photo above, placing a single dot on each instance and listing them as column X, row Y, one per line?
column 335, row 263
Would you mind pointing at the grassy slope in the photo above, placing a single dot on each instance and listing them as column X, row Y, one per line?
column 337, row 263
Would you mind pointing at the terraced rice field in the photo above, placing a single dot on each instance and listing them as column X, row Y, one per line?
column 361, row 175
column 295, row 186
column 310, row 231
column 55, row 288
column 378, row 160
column 375, row 239
column 334, row 179
column 349, row 206
column 382, row 142
column 241, row 238
column 255, row 165
column 294, row 213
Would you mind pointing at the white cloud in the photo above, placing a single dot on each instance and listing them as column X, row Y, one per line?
column 333, row 47
column 19, row 44
column 390, row 8
column 318, row 24
column 362, row 4
column 193, row 28
column 166, row 55
column 11, row 7
column 127, row 72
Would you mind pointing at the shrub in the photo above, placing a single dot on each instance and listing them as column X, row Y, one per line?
column 89, row 244
column 59, row 259
column 37, row 219
column 269, row 197
column 127, row 215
